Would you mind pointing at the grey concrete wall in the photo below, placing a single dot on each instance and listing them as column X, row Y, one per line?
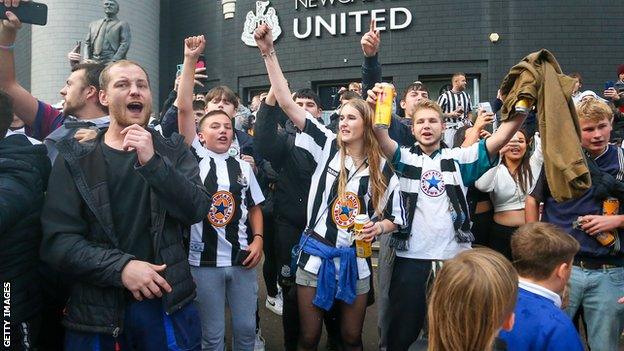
column 445, row 36
column 68, row 21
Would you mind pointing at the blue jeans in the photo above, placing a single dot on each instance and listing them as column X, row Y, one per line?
column 146, row 328
column 236, row 286
column 597, row 291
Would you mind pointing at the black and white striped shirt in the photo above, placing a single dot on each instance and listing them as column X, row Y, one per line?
column 450, row 101
column 217, row 240
column 334, row 217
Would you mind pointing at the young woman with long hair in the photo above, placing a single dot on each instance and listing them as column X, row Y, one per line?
column 508, row 185
column 351, row 178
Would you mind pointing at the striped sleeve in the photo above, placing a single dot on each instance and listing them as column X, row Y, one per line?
column 469, row 100
column 443, row 102
column 395, row 211
column 254, row 194
column 404, row 162
column 314, row 138
column 473, row 161
column 47, row 120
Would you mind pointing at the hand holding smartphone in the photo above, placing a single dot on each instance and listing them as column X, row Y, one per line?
column 241, row 256
column 27, row 12
column 486, row 107
column 609, row 84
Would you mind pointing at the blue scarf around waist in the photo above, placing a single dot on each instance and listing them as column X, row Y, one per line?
column 326, row 290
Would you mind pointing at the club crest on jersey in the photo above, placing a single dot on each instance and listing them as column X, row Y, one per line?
column 345, row 209
column 222, row 209
column 432, row 183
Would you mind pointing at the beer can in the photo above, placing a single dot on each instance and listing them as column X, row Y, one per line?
column 523, row 106
column 383, row 107
column 610, row 207
column 363, row 249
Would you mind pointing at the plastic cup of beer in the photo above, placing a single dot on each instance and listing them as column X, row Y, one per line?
column 383, row 107
column 363, row 249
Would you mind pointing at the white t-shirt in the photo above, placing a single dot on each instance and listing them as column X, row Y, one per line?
column 432, row 232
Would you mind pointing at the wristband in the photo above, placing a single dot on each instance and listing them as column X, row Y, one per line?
column 260, row 235
column 271, row 53
column 8, row 47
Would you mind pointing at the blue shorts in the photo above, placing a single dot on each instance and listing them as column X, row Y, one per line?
column 146, row 327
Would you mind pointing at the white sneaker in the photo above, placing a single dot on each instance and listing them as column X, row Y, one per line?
column 275, row 304
column 259, row 343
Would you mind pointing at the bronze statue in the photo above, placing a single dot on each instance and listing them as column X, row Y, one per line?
column 108, row 38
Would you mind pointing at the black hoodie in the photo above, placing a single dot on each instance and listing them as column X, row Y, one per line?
column 24, row 171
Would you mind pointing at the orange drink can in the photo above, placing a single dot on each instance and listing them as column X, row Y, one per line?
column 610, row 207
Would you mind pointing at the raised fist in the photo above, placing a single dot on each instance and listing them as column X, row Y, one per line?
column 194, row 46
column 264, row 39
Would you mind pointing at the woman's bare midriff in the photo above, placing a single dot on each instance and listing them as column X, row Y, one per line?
column 512, row 218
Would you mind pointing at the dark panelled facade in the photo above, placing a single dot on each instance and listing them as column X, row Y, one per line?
column 445, row 36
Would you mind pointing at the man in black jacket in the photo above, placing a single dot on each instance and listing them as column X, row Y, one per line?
column 115, row 218
column 24, row 171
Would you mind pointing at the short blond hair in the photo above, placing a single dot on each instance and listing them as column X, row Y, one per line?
column 427, row 104
column 471, row 298
column 593, row 110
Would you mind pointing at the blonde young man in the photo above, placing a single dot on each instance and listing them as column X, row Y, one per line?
column 434, row 183
column 597, row 279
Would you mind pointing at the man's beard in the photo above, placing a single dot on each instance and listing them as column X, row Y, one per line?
column 70, row 110
column 119, row 113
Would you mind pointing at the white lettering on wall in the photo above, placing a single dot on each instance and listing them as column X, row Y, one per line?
column 393, row 19
column 329, row 27
column 308, row 30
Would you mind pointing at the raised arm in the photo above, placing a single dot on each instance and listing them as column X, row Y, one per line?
column 475, row 132
column 504, row 133
column 24, row 104
column 272, row 145
column 193, row 47
column 264, row 40
column 371, row 69
column 388, row 146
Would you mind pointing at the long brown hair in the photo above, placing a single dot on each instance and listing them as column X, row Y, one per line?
column 377, row 181
column 472, row 296
column 522, row 174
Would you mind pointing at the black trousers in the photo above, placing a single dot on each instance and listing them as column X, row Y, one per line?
column 408, row 301
column 481, row 227
column 500, row 239
column 287, row 236
column 55, row 290
column 270, row 267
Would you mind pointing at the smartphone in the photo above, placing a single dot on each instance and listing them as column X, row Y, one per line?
column 201, row 62
column 486, row 106
column 610, row 84
column 28, row 12
column 179, row 70
column 241, row 256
